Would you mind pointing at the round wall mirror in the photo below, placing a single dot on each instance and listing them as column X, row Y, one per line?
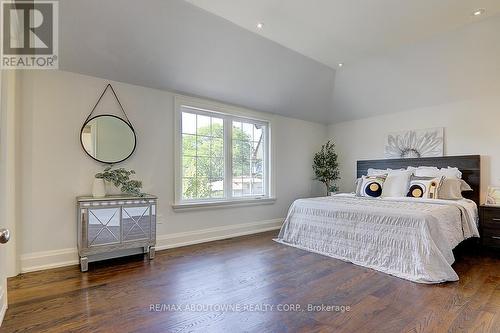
column 108, row 139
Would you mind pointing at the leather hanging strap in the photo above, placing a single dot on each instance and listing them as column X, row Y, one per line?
column 117, row 99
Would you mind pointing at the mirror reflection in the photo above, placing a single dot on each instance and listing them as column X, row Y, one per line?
column 108, row 139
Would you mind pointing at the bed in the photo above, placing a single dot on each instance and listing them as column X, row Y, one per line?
column 406, row 237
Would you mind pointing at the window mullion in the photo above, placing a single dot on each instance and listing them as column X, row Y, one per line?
column 228, row 158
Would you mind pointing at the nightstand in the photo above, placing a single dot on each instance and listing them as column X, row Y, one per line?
column 489, row 225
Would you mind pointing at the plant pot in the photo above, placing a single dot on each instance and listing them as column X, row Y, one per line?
column 332, row 193
column 111, row 189
column 98, row 188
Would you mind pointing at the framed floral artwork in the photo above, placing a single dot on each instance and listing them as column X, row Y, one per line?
column 415, row 143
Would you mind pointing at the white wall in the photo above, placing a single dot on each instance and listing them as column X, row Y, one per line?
column 451, row 81
column 55, row 168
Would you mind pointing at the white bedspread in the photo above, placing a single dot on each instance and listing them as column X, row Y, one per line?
column 406, row 237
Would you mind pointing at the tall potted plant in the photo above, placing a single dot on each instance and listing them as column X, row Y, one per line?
column 326, row 167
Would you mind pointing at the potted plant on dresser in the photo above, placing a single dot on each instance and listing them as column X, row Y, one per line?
column 120, row 178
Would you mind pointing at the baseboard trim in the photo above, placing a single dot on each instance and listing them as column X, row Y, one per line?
column 180, row 239
column 66, row 257
column 39, row 261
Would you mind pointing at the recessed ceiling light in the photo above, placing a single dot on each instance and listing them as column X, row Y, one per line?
column 341, row 64
column 260, row 25
column 479, row 12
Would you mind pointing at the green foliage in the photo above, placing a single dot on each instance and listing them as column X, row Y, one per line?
column 242, row 153
column 326, row 167
column 121, row 178
column 199, row 173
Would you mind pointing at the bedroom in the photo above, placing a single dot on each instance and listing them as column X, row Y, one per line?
column 219, row 108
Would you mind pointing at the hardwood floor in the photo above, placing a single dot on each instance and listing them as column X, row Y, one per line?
column 116, row 296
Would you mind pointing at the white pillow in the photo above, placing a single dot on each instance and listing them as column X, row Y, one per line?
column 411, row 169
column 377, row 172
column 381, row 172
column 357, row 186
column 449, row 172
column 396, row 184
column 423, row 171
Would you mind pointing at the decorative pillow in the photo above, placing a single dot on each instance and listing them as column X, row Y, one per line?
column 371, row 186
column 464, row 187
column 451, row 189
column 396, row 183
column 424, row 187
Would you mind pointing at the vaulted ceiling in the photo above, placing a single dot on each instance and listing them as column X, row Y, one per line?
column 212, row 49
column 173, row 45
column 344, row 31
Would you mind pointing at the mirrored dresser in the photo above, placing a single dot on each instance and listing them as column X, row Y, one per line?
column 115, row 226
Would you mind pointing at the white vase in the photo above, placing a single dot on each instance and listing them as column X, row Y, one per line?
column 98, row 189
column 111, row 189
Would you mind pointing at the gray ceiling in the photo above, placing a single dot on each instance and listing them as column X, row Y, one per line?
column 455, row 66
column 173, row 45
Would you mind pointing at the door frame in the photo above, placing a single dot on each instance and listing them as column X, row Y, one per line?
column 9, row 129
column 9, row 179
column 3, row 299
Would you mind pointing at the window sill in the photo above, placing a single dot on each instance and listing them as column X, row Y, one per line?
column 222, row 204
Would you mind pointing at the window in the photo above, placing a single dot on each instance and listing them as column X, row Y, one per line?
column 248, row 145
column 202, row 156
column 222, row 156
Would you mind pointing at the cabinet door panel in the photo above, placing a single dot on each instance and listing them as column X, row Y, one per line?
column 103, row 226
column 136, row 223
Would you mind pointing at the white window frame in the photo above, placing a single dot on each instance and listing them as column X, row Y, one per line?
column 228, row 114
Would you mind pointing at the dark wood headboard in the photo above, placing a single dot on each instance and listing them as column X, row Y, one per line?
column 470, row 166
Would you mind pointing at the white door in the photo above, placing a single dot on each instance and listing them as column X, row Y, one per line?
column 4, row 237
